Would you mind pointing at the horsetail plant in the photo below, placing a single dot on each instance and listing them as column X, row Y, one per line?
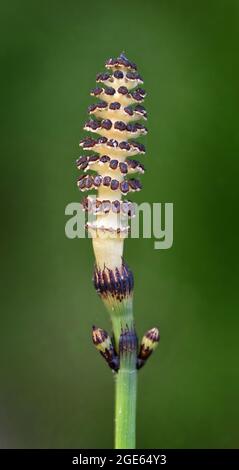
column 115, row 118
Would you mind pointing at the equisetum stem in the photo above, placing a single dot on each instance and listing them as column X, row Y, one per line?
column 125, row 405
column 125, row 382
column 115, row 119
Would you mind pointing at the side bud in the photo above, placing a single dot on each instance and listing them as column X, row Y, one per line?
column 103, row 344
column 148, row 344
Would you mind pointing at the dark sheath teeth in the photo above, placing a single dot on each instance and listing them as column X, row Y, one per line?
column 118, row 283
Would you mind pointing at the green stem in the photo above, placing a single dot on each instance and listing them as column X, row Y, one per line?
column 125, row 407
column 126, row 381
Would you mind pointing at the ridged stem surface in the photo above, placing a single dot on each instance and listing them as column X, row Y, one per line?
column 125, row 382
column 125, row 405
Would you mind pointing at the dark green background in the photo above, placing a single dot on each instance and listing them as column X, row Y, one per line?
column 55, row 391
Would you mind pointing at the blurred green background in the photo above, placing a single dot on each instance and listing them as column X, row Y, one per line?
column 55, row 390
